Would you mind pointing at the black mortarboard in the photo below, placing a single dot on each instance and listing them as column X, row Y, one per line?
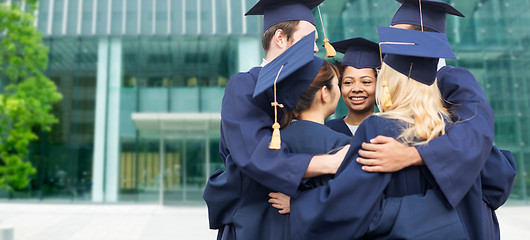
column 414, row 53
column 432, row 14
column 359, row 53
column 277, row 11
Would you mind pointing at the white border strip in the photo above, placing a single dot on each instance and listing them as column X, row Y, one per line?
column 168, row 17
column 50, row 18
column 139, row 22
column 65, row 16
column 94, row 15
column 79, row 16
column 124, row 18
column 153, row 19
column 198, row 16
column 214, row 17
column 109, row 11
column 243, row 18
column 228, row 17
column 183, row 17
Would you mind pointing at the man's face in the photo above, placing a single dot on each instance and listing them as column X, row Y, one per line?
column 304, row 28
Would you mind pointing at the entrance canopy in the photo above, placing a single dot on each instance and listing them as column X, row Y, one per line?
column 176, row 122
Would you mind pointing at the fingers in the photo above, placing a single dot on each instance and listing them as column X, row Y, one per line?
column 368, row 154
column 274, row 195
column 274, row 200
column 379, row 143
column 370, row 165
column 278, row 195
column 372, row 146
column 372, row 169
column 284, row 211
column 381, row 140
column 367, row 162
column 278, row 206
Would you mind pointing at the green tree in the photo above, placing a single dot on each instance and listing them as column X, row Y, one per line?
column 26, row 96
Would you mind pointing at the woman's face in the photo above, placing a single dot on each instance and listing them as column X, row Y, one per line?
column 358, row 89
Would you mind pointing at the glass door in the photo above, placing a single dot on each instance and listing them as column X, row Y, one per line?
column 185, row 163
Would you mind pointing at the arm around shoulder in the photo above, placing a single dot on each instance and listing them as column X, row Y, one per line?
column 246, row 131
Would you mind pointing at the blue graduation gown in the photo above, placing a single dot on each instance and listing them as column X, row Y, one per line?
column 499, row 170
column 338, row 125
column 466, row 139
column 238, row 202
column 313, row 138
column 473, row 131
column 455, row 175
column 246, row 132
column 497, row 178
column 346, row 207
column 237, row 198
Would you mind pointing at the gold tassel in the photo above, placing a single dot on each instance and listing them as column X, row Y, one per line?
column 276, row 141
column 421, row 16
column 387, row 99
column 330, row 51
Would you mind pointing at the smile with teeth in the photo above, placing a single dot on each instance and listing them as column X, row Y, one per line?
column 357, row 98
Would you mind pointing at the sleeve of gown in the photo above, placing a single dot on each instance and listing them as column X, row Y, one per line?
column 222, row 194
column 498, row 177
column 343, row 208
column 247, row 132
column 456, row 158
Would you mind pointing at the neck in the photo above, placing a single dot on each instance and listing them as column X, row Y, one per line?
column 272, row 54
column 356, row 118
column 313, row 115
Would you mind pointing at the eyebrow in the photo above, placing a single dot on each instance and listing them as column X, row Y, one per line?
column 366, row 76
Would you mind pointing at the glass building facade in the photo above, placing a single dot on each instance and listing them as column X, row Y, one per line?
column 143, row 80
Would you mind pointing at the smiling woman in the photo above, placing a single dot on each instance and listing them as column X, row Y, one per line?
column 358, row 71
column 358, row 92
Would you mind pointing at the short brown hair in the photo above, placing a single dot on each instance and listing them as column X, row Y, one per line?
column 426, row 29
column 287, row 27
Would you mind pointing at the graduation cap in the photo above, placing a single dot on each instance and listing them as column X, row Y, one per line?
column 289, row 75
column 412, row 53
column 426, row 13
column 359, row 53
column 277, row 11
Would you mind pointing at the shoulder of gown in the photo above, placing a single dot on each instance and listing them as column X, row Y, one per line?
column 340, row 126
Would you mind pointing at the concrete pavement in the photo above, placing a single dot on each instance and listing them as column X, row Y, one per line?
column 44, row 221
column 74, row 221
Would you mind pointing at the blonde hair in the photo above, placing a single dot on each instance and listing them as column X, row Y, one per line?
column 418, row 105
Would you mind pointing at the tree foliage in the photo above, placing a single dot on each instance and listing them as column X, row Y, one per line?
column 27, row 96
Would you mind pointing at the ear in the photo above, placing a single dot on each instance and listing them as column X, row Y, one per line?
column 279, row 39
column 324, row 94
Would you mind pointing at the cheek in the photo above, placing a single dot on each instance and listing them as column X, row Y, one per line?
column 345, row 91
column 295, row 38
column 371, row 91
